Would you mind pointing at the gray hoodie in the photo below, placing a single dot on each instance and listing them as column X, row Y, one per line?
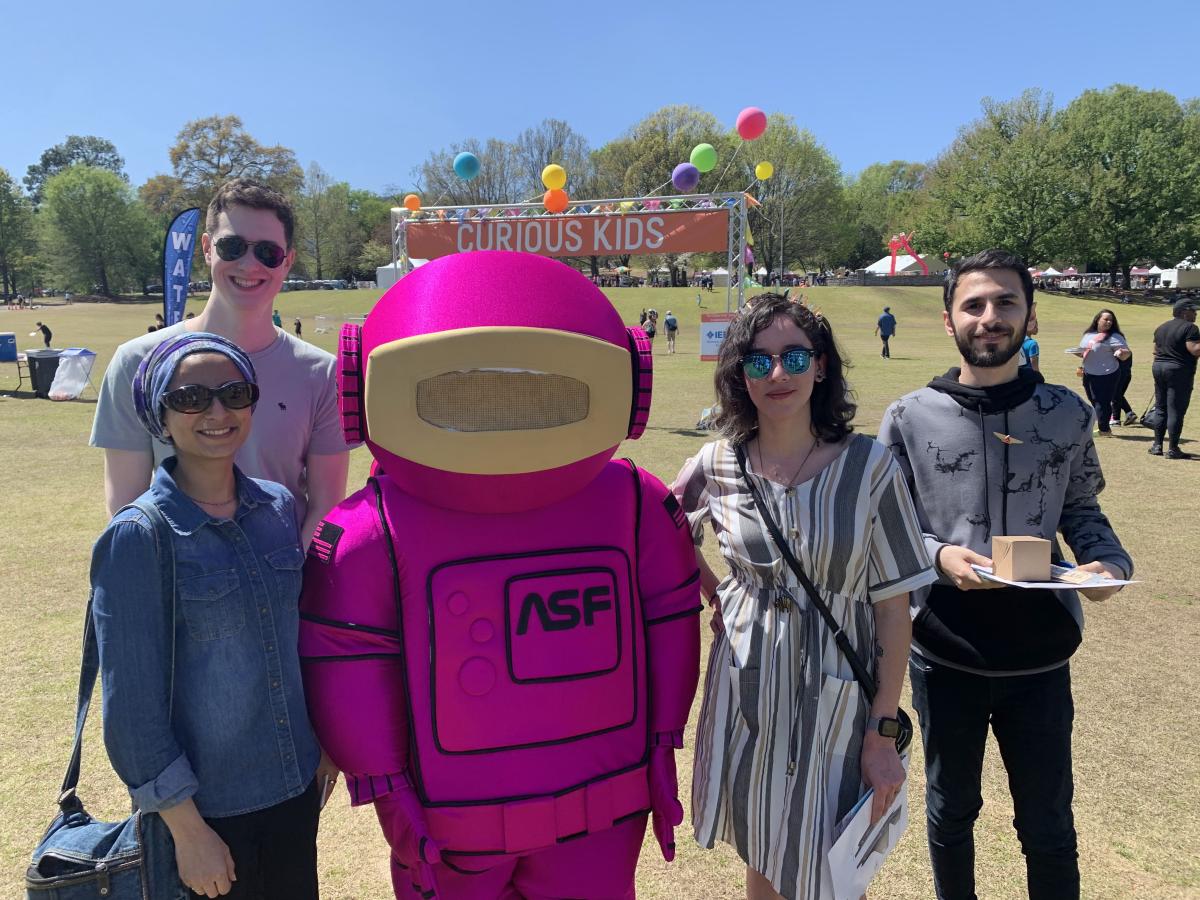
column 1014, row 459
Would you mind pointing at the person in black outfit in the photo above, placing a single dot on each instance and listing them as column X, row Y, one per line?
column 46, row 334
column 1176, row 347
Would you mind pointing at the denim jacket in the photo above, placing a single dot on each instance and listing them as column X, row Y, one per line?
column 227, row 724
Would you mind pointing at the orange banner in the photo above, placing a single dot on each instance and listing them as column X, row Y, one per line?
column 607, row 234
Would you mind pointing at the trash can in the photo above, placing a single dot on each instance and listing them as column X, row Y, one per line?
column 42, row 366
column 8, row 346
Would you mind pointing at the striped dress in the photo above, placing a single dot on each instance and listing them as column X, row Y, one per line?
column 782, row 722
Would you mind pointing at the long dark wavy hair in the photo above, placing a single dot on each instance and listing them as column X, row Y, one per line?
column 1094, row 327
column 832, row 402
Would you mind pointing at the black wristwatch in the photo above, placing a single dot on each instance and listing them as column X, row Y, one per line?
column 886, row 727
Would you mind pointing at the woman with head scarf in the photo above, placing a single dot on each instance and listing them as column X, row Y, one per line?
column 195, row 610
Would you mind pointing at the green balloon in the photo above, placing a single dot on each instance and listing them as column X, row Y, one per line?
column 704, row 157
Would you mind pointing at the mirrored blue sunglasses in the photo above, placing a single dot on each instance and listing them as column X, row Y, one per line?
column 795, row 362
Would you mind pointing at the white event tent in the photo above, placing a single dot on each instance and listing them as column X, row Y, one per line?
column 905, row 264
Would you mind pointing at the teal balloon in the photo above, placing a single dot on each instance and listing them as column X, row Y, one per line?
column 466, row 166
column 704, row 157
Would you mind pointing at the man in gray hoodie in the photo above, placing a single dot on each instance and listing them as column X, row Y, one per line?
column 988, row 451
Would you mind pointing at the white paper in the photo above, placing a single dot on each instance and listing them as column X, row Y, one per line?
column 1096, row 581
column 860, row 849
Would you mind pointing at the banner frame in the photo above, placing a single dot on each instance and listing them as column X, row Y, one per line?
column 734, row 201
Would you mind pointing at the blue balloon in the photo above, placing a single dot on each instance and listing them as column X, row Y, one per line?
column 466, row 165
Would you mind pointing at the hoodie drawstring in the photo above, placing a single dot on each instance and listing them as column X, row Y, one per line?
column 1004, row 480
column 987, row 494
column 987, row 506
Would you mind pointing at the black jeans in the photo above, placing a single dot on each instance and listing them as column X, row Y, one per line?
column 1100, row 390
column 1031, row 716
column 1172, row 394
column 274, row 849
column 1120, row 402
column 887, row 352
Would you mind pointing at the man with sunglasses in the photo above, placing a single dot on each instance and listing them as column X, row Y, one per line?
column 297, row 438
column 989, row 449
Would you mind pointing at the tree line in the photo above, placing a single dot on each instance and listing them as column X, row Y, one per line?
column 1110, row 180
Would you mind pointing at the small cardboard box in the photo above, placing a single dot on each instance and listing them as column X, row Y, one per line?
column 1021, row 558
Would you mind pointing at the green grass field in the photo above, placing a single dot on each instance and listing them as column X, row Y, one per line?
column 1137, row 762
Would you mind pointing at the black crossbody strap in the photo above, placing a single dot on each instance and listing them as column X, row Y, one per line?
column 861, row 673
column 89, row 668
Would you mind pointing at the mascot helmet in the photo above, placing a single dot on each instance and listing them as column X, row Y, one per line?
column 493, row 382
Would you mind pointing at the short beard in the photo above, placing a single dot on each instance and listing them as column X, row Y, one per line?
column 989, row 359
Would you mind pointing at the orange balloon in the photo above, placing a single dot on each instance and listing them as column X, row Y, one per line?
column 412, row 202
column 555, row 201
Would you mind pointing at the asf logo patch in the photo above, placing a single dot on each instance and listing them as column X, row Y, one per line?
column 325, row 541
column 564, row 609
column 564, row 623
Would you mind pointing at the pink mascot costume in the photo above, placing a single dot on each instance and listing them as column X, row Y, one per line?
column 500, row 631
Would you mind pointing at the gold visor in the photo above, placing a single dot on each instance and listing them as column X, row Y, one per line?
column 498, row 400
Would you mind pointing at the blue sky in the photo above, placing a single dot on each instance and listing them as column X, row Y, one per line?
column 367, row 89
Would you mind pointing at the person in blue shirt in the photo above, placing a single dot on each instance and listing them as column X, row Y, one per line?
column 204, row 713
column 1030, row 351
column 885, row 328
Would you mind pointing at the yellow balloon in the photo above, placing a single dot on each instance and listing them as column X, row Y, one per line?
column 763, row 171
column 554, row 177
column 626, row 206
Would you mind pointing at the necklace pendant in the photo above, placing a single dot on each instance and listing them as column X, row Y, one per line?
column 789, row 490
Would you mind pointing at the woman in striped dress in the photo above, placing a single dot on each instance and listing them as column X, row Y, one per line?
column 783, row 746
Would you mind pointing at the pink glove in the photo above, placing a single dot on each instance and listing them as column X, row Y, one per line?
column 403, row 823
column 665, row 809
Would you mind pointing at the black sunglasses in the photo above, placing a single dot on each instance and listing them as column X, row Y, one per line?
column 234, row 246
column 192, row 399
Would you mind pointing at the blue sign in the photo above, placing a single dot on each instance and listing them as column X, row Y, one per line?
column 178, row 248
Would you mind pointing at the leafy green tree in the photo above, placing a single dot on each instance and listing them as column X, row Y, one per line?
column 882, row 200
column 1133, row 161
column 641, row 161
column 86, row 150
column 328, row 238
column 16, row 234
column 208, row 152
column 373, row 255
column 94, row 233
column 1002, row 183
column 373, row 215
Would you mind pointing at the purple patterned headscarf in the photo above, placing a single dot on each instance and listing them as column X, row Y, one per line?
column 158, row 368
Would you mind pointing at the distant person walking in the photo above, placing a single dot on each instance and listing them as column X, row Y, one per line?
column 1103, row 346
column 650, row 326
column 276, row 319
column 671, row 324
column 46, row 333
column 885, row 328
column 1176, row 347
column 299, row 328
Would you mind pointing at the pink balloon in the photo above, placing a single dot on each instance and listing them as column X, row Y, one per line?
column 751, row 123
